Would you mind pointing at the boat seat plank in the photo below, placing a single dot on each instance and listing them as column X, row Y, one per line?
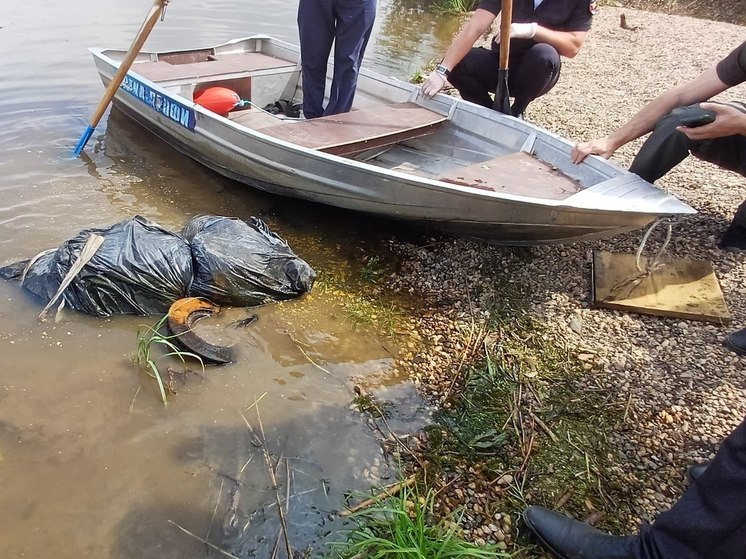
column 357, row 131
column 255, row 119
column 517, row 173
column 244, row 63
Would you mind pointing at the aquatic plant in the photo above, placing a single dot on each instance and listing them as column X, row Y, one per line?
column 148, row 339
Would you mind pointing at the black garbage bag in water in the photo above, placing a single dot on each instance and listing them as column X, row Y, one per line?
column 243, row 263
column 140, row 268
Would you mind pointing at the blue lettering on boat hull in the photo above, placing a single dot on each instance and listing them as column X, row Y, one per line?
column 166, row 106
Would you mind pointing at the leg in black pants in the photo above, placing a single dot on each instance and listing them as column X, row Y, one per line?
column 667, row 147
column 531, row 75
column 536, row 74
column 710, row 518
column 708, row 522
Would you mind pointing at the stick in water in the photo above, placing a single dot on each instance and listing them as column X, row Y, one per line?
column 155, row 11
column 389, row 492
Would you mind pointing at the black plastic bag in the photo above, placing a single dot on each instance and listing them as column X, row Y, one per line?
column 243, row 263
column 140, row 268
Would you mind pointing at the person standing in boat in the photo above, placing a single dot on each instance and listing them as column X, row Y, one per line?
column 541, row 33
column 347, row 24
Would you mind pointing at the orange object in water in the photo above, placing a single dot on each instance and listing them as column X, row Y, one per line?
column 219, row 100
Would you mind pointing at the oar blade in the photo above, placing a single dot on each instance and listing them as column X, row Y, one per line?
column 83, row 140
column 502, row 94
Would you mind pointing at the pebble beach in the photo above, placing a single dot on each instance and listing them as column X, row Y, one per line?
column 678, row 391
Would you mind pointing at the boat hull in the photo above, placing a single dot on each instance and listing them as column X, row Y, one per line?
column 613, row 206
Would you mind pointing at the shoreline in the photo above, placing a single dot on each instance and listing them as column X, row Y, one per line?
column 672, row 390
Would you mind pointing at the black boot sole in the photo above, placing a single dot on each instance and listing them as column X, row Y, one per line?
column 733, row 347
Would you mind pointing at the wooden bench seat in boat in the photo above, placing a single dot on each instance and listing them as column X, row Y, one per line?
column 357, row 131
column 223, row 66
column 517, row 173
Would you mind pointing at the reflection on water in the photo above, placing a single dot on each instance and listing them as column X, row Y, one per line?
column 99, row 467
column 411, row 35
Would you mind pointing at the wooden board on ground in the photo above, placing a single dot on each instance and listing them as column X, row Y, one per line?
column 680, row 288
column 518, row 173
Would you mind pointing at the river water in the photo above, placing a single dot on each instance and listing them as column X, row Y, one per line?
column 91, row 463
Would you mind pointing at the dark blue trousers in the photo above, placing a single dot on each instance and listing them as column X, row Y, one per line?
column 531, row 74
column 709, row 521
column 347, row 24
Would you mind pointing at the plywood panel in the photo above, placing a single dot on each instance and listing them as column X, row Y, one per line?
column 223, row 64
column 517, row 173
column 681, row 288
column 357, row 131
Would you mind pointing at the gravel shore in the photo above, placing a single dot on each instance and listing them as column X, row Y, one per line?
column 681, row 390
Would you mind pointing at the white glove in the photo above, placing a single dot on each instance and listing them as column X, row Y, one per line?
column 434, row 83
column 520, row 31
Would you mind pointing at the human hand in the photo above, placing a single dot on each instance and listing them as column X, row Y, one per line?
column 600, row 146
column 729, row 121
column 434, row 83
column 520, row 31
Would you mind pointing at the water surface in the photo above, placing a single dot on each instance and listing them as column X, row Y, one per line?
column 91, row 463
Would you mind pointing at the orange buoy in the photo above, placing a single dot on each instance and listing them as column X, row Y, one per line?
column 219, row 100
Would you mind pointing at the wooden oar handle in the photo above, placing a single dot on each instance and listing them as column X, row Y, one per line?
column 124, row 66
column 505, row 20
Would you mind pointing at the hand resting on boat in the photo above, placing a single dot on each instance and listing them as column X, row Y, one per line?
column 434, row 83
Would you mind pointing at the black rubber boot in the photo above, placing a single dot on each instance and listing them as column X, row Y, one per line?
column 666, row 147
column 571, row 539
column 695, row 472
column 737, row 341
column 734, row 238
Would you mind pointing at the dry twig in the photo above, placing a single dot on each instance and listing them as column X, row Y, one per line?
column 204, row 541
column 544, row 427
column 388, row 492
column 273, row 480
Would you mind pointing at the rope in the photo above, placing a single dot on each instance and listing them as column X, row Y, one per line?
column 653, row 264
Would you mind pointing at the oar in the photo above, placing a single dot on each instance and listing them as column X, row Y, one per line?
column 502, row 95
column 142, row 35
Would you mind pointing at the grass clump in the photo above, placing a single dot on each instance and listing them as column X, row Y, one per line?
column 405, row 527
column 150, row 341
column 528, row 413
column 373, row 270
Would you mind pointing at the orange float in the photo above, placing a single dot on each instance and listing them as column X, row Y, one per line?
column 220, row 100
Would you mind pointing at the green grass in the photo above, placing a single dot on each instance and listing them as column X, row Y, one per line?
column 373, row 270
column 150, row 343
column 404, row 526
column 527, row 376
